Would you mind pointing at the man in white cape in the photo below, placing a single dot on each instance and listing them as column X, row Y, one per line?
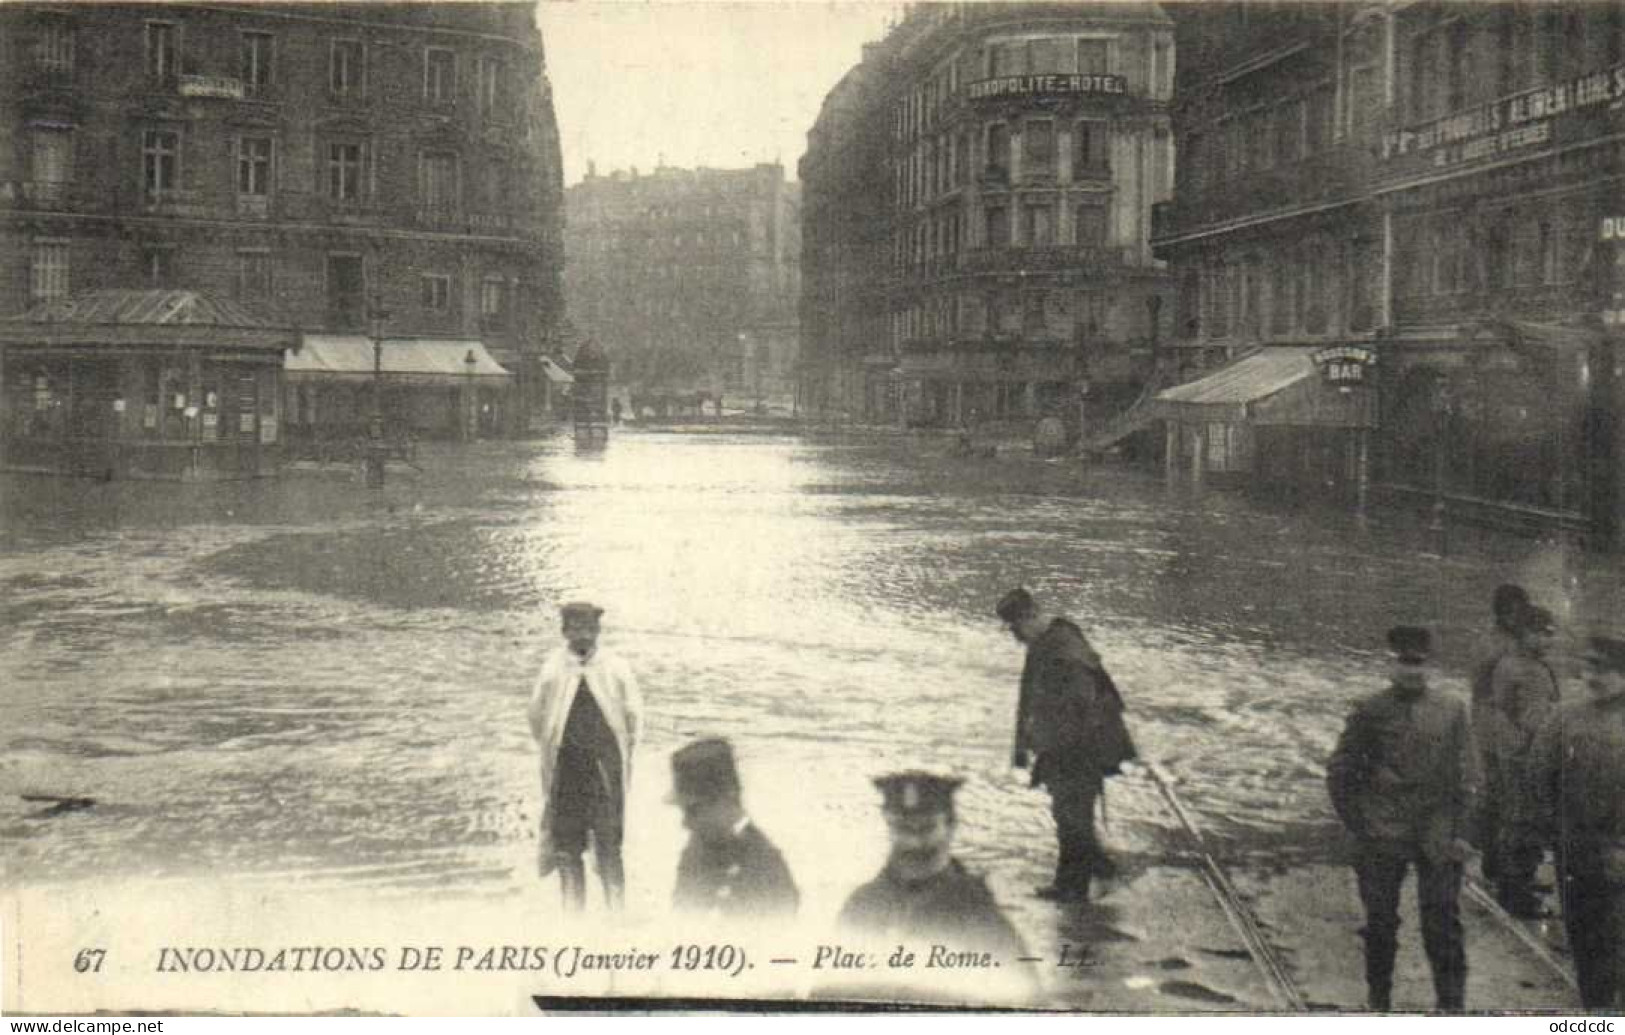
column 586, row 714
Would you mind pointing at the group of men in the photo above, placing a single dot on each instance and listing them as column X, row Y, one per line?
column 586, row 714
column 1426, row 781
column 1422, row 779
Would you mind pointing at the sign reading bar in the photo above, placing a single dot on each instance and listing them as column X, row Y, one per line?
column 1344, row 364
column 1059, row 85
column 1510, row 124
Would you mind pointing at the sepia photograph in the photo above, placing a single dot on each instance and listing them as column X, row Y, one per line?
column 559, row 507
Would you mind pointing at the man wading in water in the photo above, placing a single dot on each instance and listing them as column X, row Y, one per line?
column 585, row 714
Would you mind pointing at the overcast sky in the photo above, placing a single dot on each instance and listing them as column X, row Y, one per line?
column 700, row 82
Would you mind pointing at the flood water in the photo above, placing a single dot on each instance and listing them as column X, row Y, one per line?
column 304, row 681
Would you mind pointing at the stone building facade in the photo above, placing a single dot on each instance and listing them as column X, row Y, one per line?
column 978, row 195
column 687, row 278
column 362, row 168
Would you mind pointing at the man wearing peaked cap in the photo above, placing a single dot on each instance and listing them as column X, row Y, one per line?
column 1402, row 779
column 728, row 868
column 586, row 714
column 1579, row 767
column 923, row 893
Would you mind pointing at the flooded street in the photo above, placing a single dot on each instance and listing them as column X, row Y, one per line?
column 301, row 683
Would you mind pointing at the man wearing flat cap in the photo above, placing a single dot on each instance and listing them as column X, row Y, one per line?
column 1069, row 719
column 1579, row 761
column 586, row 714
column 923, row 893
column 1523, row 697
column 1403, row 780
column 729, row 868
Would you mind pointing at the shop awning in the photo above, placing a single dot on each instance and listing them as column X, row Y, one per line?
column 420, row 361
column 109, row 319
column 1278, row 385
column 555, row 373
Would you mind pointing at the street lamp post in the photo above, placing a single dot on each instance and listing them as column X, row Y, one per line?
column 376, row 452
column 1441, row 414
column 471, row 408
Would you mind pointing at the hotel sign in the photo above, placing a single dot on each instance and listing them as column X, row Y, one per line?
column 1059, row 85
column 1529, row 120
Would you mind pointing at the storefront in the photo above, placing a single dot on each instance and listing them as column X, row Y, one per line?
column 1292, row 421
column 430, row 389
column 141, row 384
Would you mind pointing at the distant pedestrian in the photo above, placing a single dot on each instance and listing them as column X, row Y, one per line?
column 1524, row 694
column 615, row 410
column 923, row 893
column 1507, row 606
column 1403, row 779
column 1069, row 726
column 1580, row 766
column 586, row 714
column 729, row 868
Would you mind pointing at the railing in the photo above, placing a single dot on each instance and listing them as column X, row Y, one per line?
column 48, row 194
column 438, row 217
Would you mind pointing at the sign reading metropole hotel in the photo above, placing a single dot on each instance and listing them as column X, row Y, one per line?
column 1542, row 117
column 1057, row 85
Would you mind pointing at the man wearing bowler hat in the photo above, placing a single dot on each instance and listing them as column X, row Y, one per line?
column 923, row 893
column 586, row 714
column 729, row 868
column 1069, row 719
column 1579, row 761
column 1403, row 779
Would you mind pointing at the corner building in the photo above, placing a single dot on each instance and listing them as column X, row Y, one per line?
column 338, row 169
column 977, row 198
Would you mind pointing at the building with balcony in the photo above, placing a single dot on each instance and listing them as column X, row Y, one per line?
column 978, row 195
column 687, row 279
column 336, row 169
column 1415, row 195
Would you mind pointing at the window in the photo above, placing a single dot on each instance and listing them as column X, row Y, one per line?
column 1289, row 132
column 998, row 150
column 1089, row 149
column 344, row 171
column 1089, row 316
column 160, row 162
column 1050, row 55
column 1089, row 229
column 1094, row 57
column 158, row 265
column 1008, row 58
column 439, row 75
column 493, row 301
column 254, row 275
column 1261, row 139
column 1038, row 229
column 1550, row 267
column 345, row 67
column 162, row 59
column 436, row 292
column 48, row 271
column 52, row 157
column 255, row 67
column 1038, row 147
column 1032, row 312
column 346, row 291
column 54, row 55
column 254, row 165
column 493, row 87
column 440, row 181
column 998, row 227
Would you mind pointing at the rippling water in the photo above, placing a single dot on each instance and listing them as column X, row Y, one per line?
column 302, row 680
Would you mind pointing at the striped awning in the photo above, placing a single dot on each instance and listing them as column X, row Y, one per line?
column 349, row 357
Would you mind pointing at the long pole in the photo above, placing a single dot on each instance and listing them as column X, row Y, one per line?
column 375, row 430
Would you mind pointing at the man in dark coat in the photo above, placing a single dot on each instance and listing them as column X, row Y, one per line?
column 1507, row 606
column 1579, row 760
column 924, row 894
column 729, row 868
column 1069, row 719
column 1523, row 698
column 1403, row 779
